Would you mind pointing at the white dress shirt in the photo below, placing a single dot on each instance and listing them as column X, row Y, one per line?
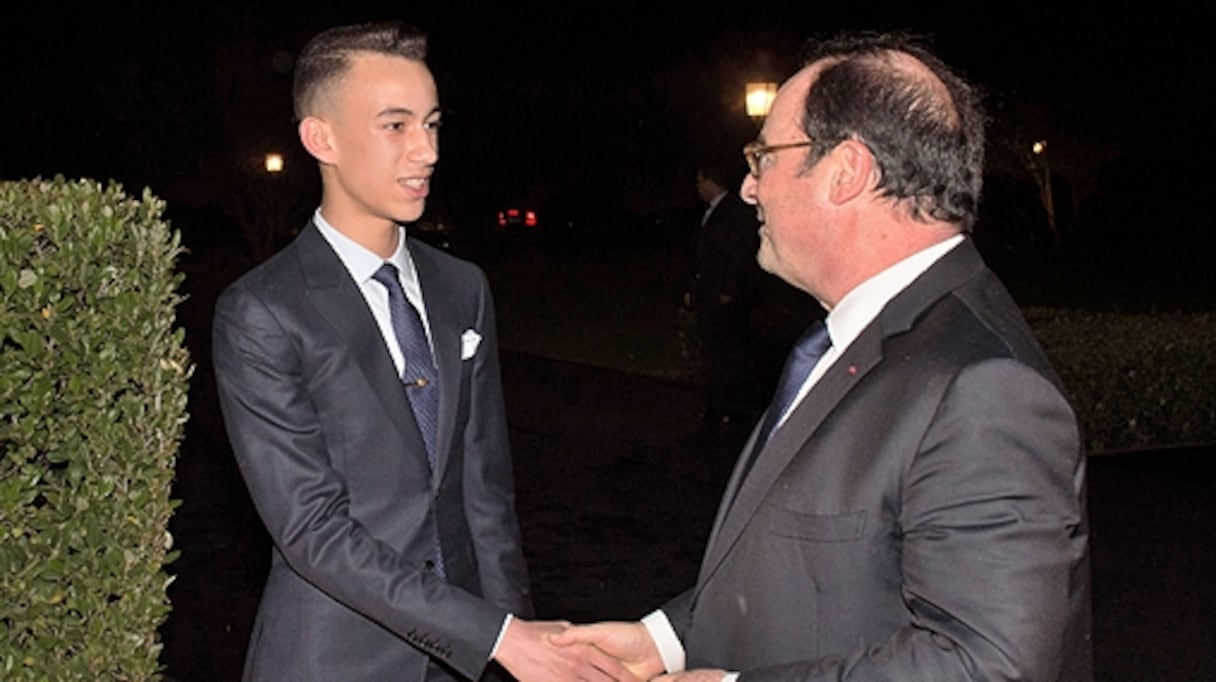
column 362, row 264
column 713, row 203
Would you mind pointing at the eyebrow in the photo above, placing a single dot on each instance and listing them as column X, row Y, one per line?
column 404, row 111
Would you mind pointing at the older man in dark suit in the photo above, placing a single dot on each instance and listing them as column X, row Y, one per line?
column 913, row 506
column 359, row 380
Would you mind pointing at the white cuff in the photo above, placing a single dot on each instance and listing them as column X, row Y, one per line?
column 501, row 633
column 665, row 640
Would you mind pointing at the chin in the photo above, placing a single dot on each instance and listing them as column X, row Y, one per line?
column 409, row 216
column 764, row 258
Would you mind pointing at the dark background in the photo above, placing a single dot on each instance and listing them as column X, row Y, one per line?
column 604, row 109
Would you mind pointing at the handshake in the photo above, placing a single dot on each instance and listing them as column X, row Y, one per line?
column 544, row 651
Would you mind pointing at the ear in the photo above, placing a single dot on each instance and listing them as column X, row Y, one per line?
column 854, row 171
column 317, row 137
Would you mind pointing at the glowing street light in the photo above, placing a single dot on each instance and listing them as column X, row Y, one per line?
column 274, row 162
column 1040, row 168
column 760, row 98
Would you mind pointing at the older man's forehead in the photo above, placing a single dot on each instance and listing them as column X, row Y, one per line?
column 786, row 115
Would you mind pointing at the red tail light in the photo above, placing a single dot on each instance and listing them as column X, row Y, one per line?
column 515, row 216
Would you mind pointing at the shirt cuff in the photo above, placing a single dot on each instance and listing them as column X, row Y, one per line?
column 665, row 640
column 730, row 677
column 501, row 633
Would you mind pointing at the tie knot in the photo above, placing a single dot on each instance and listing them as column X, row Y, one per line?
column 387, row 275
column 814, row 342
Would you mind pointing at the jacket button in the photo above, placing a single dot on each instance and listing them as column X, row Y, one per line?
column 429, row 566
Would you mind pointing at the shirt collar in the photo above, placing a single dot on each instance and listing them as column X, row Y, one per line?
column 861, row 305
column 360, row 261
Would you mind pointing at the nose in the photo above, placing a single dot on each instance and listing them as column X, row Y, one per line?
column 747, row 191
column 424, row 147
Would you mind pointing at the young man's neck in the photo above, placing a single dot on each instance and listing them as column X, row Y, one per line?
column 375, row 235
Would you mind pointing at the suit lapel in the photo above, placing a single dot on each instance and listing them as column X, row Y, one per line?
column 743, row 497
column 338, row 299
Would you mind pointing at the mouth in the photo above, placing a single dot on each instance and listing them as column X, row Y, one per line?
column 418, row 187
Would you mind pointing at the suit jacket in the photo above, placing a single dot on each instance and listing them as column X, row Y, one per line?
column 334, row 462
column 920, row 516
column 725, row 251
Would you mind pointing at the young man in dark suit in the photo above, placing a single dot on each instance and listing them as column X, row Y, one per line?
column 359, row 379
column 915, row 510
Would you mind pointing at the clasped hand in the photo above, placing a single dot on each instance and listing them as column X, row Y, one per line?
column 551, row 651
column 634, row 650
column 532, row 652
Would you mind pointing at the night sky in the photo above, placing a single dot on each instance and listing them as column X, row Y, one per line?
column 601, row 103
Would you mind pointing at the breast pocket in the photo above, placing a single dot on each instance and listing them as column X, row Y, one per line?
column 787, row 523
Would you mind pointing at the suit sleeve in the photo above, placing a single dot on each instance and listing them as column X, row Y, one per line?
column 277, row 440
column 994, row 560
column 679, row 611
column 489, row 479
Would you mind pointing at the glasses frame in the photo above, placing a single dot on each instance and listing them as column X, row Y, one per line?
column 755, row 152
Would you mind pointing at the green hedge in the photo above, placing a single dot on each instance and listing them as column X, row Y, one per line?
column 1137, row 381
column 93, row 380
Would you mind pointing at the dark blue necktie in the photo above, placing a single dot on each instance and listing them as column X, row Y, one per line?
column 420, row 376
column 809, row 348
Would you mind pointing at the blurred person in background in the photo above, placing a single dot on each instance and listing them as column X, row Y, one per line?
column 722, row 293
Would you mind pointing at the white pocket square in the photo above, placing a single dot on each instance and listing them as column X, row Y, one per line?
column 469, row 341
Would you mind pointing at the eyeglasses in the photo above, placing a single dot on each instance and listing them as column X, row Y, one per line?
column 755, row 153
